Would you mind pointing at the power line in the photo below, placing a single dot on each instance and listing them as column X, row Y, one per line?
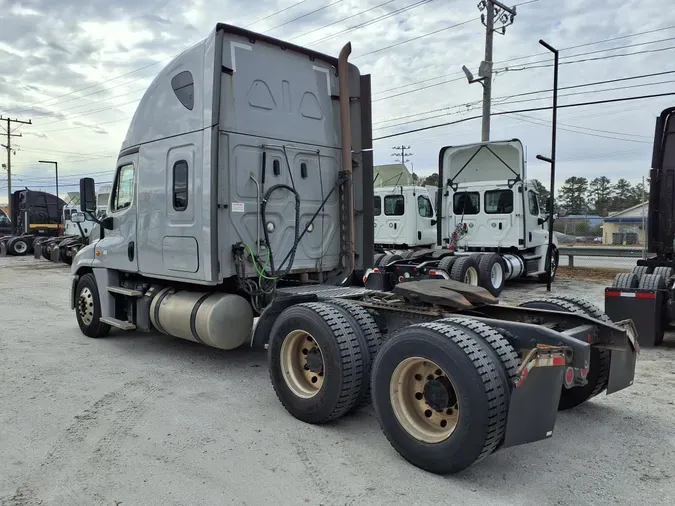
column 531, row 109
column 537, row 54
column 415, row 38
column 575, row 86
column 606, row 57
column 537, row 121
column 276, row 13
column 341, row 20
column 305, row 15
column 371, row 21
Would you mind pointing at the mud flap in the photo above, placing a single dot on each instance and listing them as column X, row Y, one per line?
column 37, row 251
column 622, row 365
column 3, row 248
column 534, row 399
column 55, row 254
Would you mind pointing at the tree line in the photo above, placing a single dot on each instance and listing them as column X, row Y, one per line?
column 578, row 195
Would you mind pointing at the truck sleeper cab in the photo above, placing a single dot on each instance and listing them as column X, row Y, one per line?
column 244, row 187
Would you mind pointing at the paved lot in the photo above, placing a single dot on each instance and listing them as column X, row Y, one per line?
column 150, row 420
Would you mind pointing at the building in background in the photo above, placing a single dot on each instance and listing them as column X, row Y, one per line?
column 627, row 227
column 584, row 225
column 393, row 174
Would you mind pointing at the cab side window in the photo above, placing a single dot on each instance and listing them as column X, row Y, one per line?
column 377, row 208
column 424, row 207
column 533, row 203
column 123, row 192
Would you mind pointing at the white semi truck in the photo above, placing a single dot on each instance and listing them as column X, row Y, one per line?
column 244, row 189
column 485, row 208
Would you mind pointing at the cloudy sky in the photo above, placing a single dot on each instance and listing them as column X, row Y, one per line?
column 77, row 68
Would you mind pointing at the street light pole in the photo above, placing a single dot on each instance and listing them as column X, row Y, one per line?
column 56, row 170
column 551, row 161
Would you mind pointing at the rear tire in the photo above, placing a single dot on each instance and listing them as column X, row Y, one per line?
column 366, row 329
column 439, row 397
column 324, row 382
column 666, row 272
column 88, row 308
column 640, row 270
column 600, row 362
column 446, row 263
column 626, row 280
column 492, row 273
column 652, row 282
column 465, row 269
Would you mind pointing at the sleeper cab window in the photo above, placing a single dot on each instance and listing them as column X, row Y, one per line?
column 394, row 205
column 183, row 86
column 466, row 203
column 499, row 201
column 377, row 206
column 180, row 185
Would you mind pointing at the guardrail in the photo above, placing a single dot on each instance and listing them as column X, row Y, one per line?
column 598, row 251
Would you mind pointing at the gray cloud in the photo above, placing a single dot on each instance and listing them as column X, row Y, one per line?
column 40, row 61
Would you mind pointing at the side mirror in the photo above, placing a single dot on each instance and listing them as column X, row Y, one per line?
column 77, row 218
column 541, row 221
column 433, row 222
column 87, row 195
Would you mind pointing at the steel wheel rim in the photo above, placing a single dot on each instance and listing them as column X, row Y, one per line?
column 302, row 364
column 20, row 247
column 471, row 276
column 496, row 275
column 553, row 265
column 85, row 306
column 424, row 400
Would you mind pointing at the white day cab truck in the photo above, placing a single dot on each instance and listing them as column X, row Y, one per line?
column 240, row 192
column 486, row 228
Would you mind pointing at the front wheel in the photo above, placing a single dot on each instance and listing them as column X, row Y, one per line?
column 88, row 308
column 544, row 278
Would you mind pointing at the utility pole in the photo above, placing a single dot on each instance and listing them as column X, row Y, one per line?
column 400, row 153
column 8, row 147
column 494, row 10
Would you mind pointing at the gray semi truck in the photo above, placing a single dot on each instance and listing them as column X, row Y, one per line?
column 244, row 190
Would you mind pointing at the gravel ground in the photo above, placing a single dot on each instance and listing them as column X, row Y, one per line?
column 146, row 419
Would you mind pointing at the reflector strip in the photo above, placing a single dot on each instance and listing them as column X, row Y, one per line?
column 633, row 295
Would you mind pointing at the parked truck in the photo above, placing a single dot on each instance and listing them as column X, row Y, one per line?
column 485, row 209
column 244, row 189
column 647, row 294
column 35, row 214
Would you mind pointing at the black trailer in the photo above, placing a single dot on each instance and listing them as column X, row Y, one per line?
column 34, row 214
column 646, row 294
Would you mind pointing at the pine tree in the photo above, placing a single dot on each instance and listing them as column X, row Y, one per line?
column 600, row 195
column 573, row 195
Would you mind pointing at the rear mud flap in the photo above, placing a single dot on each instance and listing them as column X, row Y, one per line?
column 534, row 400
column 55, row 254
column 622, row 365
column 37, row 251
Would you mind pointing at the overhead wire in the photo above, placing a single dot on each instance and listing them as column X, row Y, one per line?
column 530, row 109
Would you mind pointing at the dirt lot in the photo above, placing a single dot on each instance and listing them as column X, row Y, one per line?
column 146, row 419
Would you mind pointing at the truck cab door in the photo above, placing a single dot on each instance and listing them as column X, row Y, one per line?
column 118, row 247
column 535, row 234
column 424, row 215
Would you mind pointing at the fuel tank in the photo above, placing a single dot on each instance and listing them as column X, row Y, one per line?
column 220, row 320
